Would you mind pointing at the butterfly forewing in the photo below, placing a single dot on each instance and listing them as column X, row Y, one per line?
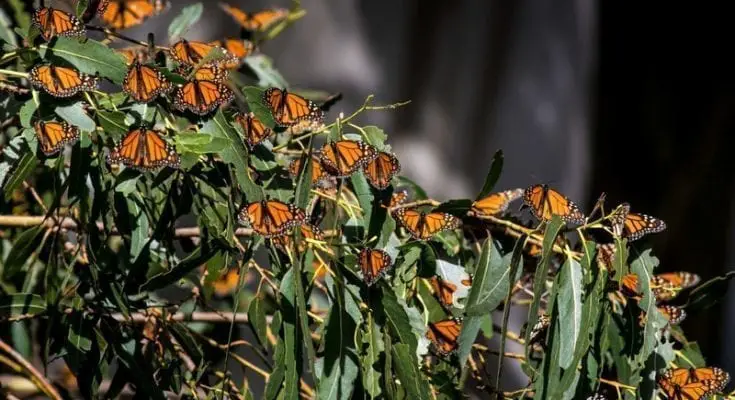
column 289, row 109
column 381, row 170
column 496, row 203
column 255, row 131
column 444, row 334
column 546, row 202
column 122, row 14
column 271, row 218
column 144, row 83
column 52, row 22
column 61, row 81
column 344, row 157
column 257, row 21
column 145, row 150
column 53, row 136
column 374, row 264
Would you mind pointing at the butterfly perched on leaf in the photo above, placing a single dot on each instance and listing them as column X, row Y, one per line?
column 546, row 202
column 204, row 93
column 319, row 176
column 144, row 149
column 257, row 21
column 344, row 157
column 451, row 284
column 538, row 332
column 238, row 48
column 422, row 225
column 53, row 136
column 122, row 14
column 308, row 231
column 634, row 226
column 61, row 81
column 254, row 130
column 271, row 218
column 444, row 335
column 606, row 253
column 289, row 109
column 380, row 170
column 191, row 53
column 692, row 384
column 52, row 22
column 144, row 83
column 374, row 264
column 495, row 203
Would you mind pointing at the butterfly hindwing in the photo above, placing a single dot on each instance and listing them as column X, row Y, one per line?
column 145, row 150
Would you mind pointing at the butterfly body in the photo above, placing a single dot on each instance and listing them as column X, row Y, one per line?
column 145, row 150
column 61, row 81
column 53, row 136
column 422, row 225
column 374, row 264
column 271, row 218
column 546, row 202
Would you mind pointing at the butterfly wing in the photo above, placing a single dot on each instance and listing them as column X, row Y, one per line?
column 61, row 81
column 123, row 14
column 546, row 202
column 255, row 131
column 444, row 334
column 438, row 222
column 344, row 157
column 258, row 21
column 52, row 136
column 606, row 255
column 52, row 22
column 374, row 264
column 289, row 109
column 144, row 83
column 444, row 291
column 639, row 225
column 239, row 49
column 381, row 170
column 144, row 150
column 672, row 313
column 496, row 203
column 398, row 198
column 319, row 176
column 629, row 285
column 272, row 218
column 717, row 377
column 201, row 97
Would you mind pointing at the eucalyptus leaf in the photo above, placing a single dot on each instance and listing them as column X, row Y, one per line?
column 189, row 16
column 90, row 57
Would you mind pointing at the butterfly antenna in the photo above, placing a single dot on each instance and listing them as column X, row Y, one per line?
column 599, row 206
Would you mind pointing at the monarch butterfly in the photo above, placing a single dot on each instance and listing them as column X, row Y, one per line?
column 308, row 231
column 226, row 284
column 238, row 48
column 634, row 226
column 374, row 264
column 191, row 53
column 52, row 22
column 204, row 93
column 444, row 290
column 667, row 286
column 122, row 14
column 684, row 384
column 381, row 170
column 145, row 150
column 629, row 286
column 257, row 21
column 606, row 255
column 271, row 218
column 344, row 157
column 144, row 83
column 319, row 176
column 255, row 131
column 289, row 109
column 95, row 7
column 444, row 334
column 423, row 226
column 398, row 198
column 496, row 203
column 546, row 202
column 133, row 54
column 597, row 396
column 61, row 81
column 538, row 332
column 53, row 136
column 672, row 314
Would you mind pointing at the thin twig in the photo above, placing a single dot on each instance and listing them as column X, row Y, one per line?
column 46, row 387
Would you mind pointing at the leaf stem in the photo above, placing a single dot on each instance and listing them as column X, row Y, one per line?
column 46, row 387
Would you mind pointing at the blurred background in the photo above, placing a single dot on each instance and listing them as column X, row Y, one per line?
column 638, row 102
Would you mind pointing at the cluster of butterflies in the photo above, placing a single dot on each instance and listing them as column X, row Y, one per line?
column 664, row 287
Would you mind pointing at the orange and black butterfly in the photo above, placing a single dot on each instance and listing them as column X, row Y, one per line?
column 496, row 203
column 319, row 176
column 144, row 149
column 606, row 255
column 289, row 109
column 122, row 14
column 629, row 286
column 255, row 131
column 344, row 157
column 204, row 93
column 546, row 202
column 691, row 384
column 381, row 170
column 53, row 136
column 61, row 81
column 444, row 335
column 422, row 225
column 667, row 286
column 445, row 290
column 673, row 314
column 191, row 53
column 398, row 198
column 308, row 231
column 374, row 264
column 52, row 22
column 133, row 54
column 144, row 83
column 271, row 218
column 634, row 226
column 258, row 21
column 538, row 332
column 238, row 48
column 226, row 284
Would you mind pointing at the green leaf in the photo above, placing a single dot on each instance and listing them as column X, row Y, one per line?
column 80, row 333
column 23, row 168
column 570, row 310
column 492, row 176
column 21, row 305
column 194, row 260
column 90, row 57
column 643, row 266
column 267, row 75
column 490, row 283
column 21, row 16
column 81, row 7
column 307, row 259
column 375, row 137
column 77, row 116
column 234, row 154
column 140, row 235
column 254, row 98
column 26, row 113
column 275, row 380
column 373, row 347
column 112, row 124
column 398, row 321
column 407, row 371
column 303, row 184
column 339, row 367
column 25, row 244
column 290, row 336
column 189, row 16
column 257, row 320
column 200, row 143
column 542, row 271
column 6, row 30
